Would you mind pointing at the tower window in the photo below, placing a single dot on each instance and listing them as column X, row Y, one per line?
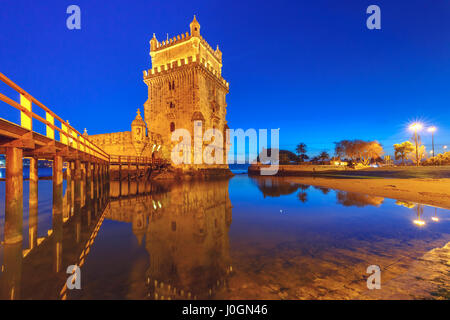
column 172, row 127
column 170, row 86
column 172, row 105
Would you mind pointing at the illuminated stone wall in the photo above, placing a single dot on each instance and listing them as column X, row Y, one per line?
column 137, row 142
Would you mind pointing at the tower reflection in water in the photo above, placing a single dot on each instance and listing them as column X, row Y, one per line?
column 184, row 228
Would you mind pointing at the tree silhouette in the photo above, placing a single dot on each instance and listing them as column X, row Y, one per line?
column 402, row 150
column 302, row 196
column 301, row 152
column 324, row 156
column 359, row 150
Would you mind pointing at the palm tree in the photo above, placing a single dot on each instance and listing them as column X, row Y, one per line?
column 301, row 152
column 324, row 156
column 301, row 148
column 302, row 196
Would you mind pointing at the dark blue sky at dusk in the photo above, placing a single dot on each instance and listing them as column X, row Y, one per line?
column 310, row 68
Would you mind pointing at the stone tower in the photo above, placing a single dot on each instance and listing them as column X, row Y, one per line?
column 185, row 87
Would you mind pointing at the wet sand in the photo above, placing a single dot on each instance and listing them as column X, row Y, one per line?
column 435, row 192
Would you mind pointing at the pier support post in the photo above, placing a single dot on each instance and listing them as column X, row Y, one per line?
column 69, row 174
column 10, row 282
column 120, row 168
column 57, row 217
column 95, row 187
column 101, row 182
column 33, row 203
column 77, row 207
column 129, row 168
column 88, row 192
column 13, row 195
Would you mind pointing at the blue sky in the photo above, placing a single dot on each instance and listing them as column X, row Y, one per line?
column 310, row 68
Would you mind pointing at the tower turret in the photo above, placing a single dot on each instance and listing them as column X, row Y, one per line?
column 195, row 28
column 138, row 132
column 218, row 53
column 153, row 43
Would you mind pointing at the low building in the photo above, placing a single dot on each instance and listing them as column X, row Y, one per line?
column 137, row 142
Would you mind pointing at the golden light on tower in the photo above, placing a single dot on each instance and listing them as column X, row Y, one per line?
column 419, row 222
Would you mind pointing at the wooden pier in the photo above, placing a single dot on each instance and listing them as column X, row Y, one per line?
column 87, row 167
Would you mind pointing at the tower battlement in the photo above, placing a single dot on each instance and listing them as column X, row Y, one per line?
column 178, row 64
column 183, row 46
column 181, row 38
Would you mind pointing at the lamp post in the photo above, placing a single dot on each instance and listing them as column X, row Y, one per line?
column 416, row 127
column 432, row 130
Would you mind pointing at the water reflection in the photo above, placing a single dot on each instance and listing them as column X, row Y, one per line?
column 274, row 186
column 37, row 271
column 184, row 228
column 358, row 199
column 324, row 190
column 174, row 240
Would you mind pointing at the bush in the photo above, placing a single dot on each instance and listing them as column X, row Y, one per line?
column 439, row 160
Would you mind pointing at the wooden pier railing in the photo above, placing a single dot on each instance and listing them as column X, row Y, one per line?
column 88, row 169
column 61, row 143
column 133, row 160
column 23, row 135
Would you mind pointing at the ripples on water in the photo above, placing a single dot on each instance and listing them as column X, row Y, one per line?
column 243, row 238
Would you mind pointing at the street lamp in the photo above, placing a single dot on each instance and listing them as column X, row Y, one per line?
column 432, row 130
column 416, row 126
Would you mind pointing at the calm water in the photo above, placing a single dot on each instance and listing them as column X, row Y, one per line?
column 242, row 238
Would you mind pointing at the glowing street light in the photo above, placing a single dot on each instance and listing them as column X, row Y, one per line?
column 416, row 126
column 432, row 130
